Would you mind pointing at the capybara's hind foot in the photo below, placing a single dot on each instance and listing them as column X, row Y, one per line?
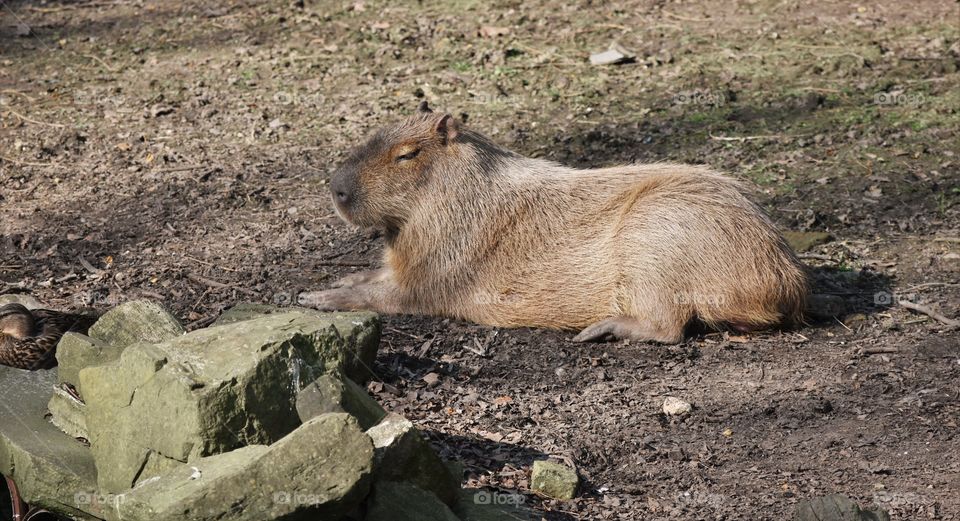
column 628, row 328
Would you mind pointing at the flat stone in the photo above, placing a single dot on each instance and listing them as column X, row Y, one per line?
column 673, row 406
column 484, row 505
column 403, row 455
column 322, row 470
column 51, row 469
column 27, row 301
column 614, row 55
column 803, row 241
column 554, row 480
column 836, row 508
column 360, row 330
column 398, row 501
column 331, row 393
column 207, row 392
column 136, row 321
column 68, row 414
column 76, row 351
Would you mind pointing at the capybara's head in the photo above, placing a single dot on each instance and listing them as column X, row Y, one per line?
column 377, row 185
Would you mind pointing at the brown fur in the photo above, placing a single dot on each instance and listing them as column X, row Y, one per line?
column 477, row 232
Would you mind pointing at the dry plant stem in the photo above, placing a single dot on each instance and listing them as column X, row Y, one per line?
column 929, row 312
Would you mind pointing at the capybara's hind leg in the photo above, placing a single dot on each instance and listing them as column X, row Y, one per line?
column 629, row 328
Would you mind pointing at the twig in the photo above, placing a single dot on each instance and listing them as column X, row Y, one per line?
column 842, row 324
column 686, row 18
column 105, row 64
column 929, row 312
column 35, row 122
column 931, row 285
column 817, row 256
column 89, row 267
column 31, row 99
column 219, row 285
column 152, row 294
column 748, row 138
column 344, row 264
column 180, row 168
column 203, row 322
column 26, row 163
column 946, row 239
column 879, row 350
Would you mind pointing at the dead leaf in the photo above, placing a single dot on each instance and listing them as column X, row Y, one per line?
column 378, row 26
column 502, row 400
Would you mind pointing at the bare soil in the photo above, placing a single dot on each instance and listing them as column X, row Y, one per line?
column 180, row 150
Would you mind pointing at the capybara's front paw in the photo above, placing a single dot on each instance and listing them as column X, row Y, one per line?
column 354, row 279
column 328, row 300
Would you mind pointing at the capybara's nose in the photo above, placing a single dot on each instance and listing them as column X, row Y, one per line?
column 342, row 194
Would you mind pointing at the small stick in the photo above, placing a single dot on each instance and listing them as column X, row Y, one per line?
column 747, row 138
column 946, row 239
column 152, row 294
column 181, row 168
column 931, row 285
column 929, row 312
column 89, row 267
column 842, row 324
column 105, row 64
column 31, row 99
column 26, row 163
column 35, row 122
column 345, row 264
column 817, row 256
column 220, row 285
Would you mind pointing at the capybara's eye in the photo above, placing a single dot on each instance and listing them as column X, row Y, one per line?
column 409, row 155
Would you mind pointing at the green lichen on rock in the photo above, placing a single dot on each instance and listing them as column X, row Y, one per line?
column 359, row 330
column 68, row 414
column 403, row 455
column 554, row 480
column 331, row 393
column 136, row 321
column 321, row 470
column 206, row 392
column 51, row 469
column 399, row 501
column 484, row 505
column 76, row 351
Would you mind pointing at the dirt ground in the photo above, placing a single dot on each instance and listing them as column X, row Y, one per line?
column 180, row 151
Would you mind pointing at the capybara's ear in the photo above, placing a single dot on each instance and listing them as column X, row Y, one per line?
column 448, row 127
column 424, row 107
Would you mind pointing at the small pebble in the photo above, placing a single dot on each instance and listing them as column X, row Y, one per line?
column 676, row 407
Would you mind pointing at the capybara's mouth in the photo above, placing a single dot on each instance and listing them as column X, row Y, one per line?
column 342, row 211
